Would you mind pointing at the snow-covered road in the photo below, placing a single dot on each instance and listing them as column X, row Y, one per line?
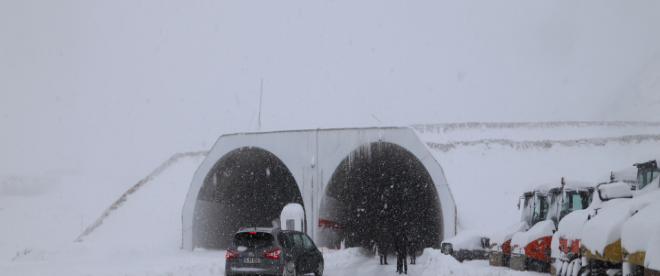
column 91, row 260
column 432, row 262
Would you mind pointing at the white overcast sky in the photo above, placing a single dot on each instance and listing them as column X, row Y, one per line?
column 85, row 85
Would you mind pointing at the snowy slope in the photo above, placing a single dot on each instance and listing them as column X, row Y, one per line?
column 148, row 221
column 486, row 181
column 51, row 210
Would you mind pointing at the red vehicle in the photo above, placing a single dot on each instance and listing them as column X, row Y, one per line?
column 500, row 243
column 531, row 249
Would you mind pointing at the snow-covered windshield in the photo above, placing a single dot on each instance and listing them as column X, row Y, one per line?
column 526, row 211
column 540, row 208
column 563, row 203
column 574, row 200
column 645, row 177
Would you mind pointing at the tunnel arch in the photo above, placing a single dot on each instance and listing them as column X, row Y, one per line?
column 247, row 187
column 379, row 192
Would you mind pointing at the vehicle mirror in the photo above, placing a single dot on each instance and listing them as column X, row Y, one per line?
column 607, row 191
column 485, row 242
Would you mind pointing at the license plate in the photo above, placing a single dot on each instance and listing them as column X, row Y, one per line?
column 252, row 260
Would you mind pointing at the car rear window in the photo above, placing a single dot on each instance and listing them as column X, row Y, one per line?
column 253, row 239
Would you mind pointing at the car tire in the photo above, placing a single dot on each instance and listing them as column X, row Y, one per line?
column 319, row 270
column 290, row 269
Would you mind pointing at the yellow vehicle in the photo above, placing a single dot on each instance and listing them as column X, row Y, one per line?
column 615, row 205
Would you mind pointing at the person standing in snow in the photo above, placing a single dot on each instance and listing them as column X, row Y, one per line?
column 413, row 254
column 401, row 248
column 382, row 253
column 412, row 251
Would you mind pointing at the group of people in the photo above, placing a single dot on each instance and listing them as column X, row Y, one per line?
column 402, row 249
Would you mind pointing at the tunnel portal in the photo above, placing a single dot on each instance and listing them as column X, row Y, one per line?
column 379, row 193
column 248, row 187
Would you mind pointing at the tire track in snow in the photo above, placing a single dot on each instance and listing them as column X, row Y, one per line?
column 124, row 197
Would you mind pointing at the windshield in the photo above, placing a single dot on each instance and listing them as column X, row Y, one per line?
column 253, row 239
column 526, row 211
column 574, row 200
column 644, row 177
column 540, row 208
column 556, row 201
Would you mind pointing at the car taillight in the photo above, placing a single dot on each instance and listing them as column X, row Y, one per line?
column 273, row 254
column 231, row 254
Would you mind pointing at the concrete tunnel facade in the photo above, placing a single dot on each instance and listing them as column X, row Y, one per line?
column 355, row 185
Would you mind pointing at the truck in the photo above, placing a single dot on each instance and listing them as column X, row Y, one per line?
column 531, row 249
column 499, row 247
column 611, row 236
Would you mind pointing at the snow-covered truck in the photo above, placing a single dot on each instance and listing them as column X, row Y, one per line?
column 466, row 246
column 640, row 234
column 500, row 242
column 496, row 247
column 614, row 234
column 531, row 249
column 566, row 242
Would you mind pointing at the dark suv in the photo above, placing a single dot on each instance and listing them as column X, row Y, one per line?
column 271, row 251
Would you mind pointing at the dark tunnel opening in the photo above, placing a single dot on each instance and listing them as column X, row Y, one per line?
column 248, row 187
column 377, row 195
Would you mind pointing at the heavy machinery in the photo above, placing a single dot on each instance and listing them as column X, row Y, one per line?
column 531, row 249
column 638, row 232
column 499, row 247
column 601, row 244
column 566, row 252
column 590, row 242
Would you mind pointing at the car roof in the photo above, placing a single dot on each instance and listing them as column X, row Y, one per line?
column 269, row 230
column 256, row 229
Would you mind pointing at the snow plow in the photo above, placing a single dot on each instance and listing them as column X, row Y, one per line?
column 531, row 249
column 500, row 243
column 566, row 243
column 640, row 236
column 497, row 247
column 613, row 235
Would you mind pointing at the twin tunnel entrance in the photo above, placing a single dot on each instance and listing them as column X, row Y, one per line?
column 379, row 192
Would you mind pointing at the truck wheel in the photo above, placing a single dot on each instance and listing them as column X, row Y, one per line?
column 562, row 269
column 569, row 268
column 584, row 271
